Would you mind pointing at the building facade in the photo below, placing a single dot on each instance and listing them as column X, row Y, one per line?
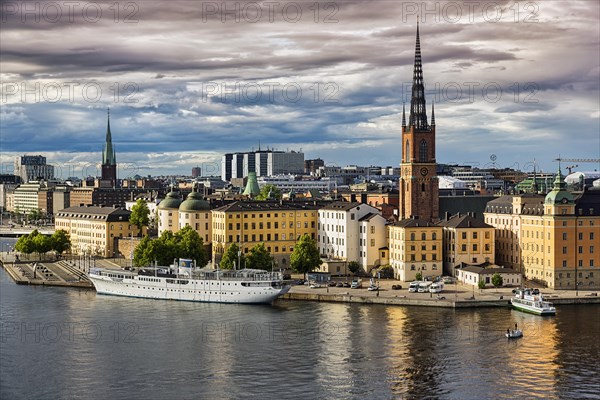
column 93, row 230
column 279, row 225
column 33, row 168
column 415, row 246
column 263, row 162
column 556, row 237
column 466, row 240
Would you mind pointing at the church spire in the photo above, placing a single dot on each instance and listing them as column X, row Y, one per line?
column 108, row 154
column 432, row 113
column 403, row 116
column 418, row 114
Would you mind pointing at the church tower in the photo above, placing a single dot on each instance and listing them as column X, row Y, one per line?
column 418, row 186
column 109, row 159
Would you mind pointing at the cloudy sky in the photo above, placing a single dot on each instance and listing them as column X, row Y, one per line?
column 187, row 81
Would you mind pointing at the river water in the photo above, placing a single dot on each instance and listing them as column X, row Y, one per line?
column 61, row 343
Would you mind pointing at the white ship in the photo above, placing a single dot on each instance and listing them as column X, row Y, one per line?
column 525, row 300
column 183, row 282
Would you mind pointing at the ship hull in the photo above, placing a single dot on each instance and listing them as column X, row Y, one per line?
column 208, row 291
column 532, row 310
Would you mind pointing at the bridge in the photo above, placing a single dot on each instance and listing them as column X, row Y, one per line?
column 20, row 231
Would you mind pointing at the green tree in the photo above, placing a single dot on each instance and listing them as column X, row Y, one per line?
column 305, row 257
column 231, row 256
column 497, row 280
column 190, row 245
column 481, row 284
column 141, row 253
column 259, row 258
column 140, row 215
column 25, row 244
column 269, row 192
column 419, row 276
column 60, row 241
column 354, row 267
column 34, row 214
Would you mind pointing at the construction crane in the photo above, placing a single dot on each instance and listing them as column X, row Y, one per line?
column 577, row 160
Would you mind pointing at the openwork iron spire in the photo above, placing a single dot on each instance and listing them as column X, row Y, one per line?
column 418, row 114
column 432, row 113
column 403, row 116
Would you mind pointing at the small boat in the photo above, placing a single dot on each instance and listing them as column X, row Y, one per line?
column 525, row 300
column 514, row 333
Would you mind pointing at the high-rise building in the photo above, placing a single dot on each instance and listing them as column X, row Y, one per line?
column 109, row 157
column 263, row 162
column 418, row 184
column 311, row 166
column 196, row 172
column 33, row 168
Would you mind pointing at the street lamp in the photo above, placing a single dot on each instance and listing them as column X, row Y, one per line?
column 239, row 257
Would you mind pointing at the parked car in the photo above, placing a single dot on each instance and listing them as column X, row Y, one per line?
column 340, row 284
column 346, row 284
column 356, row 284
column 315, row 285
column 331, row 283
column 396, row 287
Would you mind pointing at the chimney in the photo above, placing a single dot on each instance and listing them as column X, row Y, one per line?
column 447, row 215
column 469, row 224
column 473, row 214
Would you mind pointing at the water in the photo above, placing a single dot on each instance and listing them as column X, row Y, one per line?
column 60, row 343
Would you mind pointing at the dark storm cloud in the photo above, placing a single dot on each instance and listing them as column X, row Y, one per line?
column 175, row 49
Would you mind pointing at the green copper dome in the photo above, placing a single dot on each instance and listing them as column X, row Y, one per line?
column 170, row 202
column 559, row 193
column 194, row 202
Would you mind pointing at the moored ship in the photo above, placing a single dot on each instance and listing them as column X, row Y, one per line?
column 525, row 300
column 184, row 282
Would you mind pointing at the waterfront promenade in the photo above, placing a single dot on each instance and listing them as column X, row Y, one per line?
column 454, row 295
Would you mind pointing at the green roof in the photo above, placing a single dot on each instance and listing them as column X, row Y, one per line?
column 194, row 202
column 170, row 202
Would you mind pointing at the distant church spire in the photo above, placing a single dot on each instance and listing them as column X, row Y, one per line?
column 108, row 154
column 403, row 116
column 418, row 114
column 432, row 113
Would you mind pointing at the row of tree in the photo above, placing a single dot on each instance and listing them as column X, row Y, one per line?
column 35, row 242
column 186, row 243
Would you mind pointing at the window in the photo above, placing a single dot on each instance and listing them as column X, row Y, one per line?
column 372, row 242
column 564, row 236
column 352, row 216
column 564, row 263
column 464, row 235
column 564, row 251
column 463, row 247
column 407, row 147
column 372, row 229
column 433, row 236
column 474, row 235
column 412, row 236
column 423, row 151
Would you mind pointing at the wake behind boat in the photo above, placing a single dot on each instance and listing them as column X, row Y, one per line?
column 525, row 300
column 183, row 282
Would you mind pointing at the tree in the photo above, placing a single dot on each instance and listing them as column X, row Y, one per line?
column 259, row 258
column 25, row 244
column 419, row 276
column 60, row 241
column 305, row 257
column 481, row 284
column 34, row 214
column 269, row 192
column 497, row 280
column 140, row 215
column 354, row 267
column 141, row 254
column 191, row 246
column 231, row 256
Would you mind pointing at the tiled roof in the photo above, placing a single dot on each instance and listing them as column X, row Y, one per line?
column 463, row 221
column 341, row 206
column 413, row 223
column 109, row 214
column 269, row 206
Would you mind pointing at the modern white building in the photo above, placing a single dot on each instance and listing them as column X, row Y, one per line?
column 339, row 231
column 33, row 168
column 285, row 183
column 263, row 162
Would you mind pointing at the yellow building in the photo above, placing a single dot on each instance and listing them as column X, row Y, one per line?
column 466, row 240
column 558, row 238
column 415, row 246
column 93, row 230
column 278, row 225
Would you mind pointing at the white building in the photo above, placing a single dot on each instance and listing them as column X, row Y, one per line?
column 340, row 229
column 285, row 183
column 472, row 274
column 372, row 237
column 263, row 162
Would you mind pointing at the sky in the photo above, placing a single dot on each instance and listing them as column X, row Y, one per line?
column 187, row 81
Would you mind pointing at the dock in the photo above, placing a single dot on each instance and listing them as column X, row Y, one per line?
column 45, row 273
